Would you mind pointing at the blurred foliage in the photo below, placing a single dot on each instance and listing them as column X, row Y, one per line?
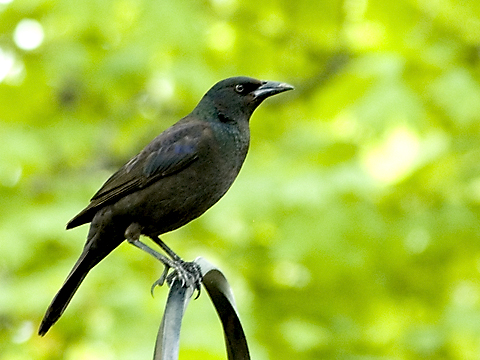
column 353, row 229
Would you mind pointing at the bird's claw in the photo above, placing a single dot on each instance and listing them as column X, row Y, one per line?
column 161, row 280
column 188, row 273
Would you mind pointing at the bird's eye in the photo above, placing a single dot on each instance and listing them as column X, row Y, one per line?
column 239, row 88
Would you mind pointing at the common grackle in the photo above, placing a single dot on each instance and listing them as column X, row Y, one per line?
column 173, row 180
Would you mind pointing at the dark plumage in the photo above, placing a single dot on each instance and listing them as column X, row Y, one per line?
column 173, row 180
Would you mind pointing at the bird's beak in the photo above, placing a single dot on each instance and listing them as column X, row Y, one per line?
column 270, row 88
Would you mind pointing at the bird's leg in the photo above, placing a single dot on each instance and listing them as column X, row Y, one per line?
column 168, row 263
column 189, row 272
column 132, row 234
column 166, row 248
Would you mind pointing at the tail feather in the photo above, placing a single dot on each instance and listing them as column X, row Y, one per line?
column 61, row 300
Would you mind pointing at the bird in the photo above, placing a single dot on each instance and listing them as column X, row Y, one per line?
column 178, row 176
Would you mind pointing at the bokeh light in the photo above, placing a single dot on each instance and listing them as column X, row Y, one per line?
column 28, row 34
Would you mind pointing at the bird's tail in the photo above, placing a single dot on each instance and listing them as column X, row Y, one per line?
column 84, row 264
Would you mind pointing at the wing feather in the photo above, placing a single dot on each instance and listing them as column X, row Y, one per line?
column 168, row 153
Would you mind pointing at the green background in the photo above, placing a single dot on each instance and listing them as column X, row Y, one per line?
column 353, row 229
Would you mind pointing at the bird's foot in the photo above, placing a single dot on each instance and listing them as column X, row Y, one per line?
column 161, row 280
column 188, row 273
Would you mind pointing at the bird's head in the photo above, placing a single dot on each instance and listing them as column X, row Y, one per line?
column 237, row 97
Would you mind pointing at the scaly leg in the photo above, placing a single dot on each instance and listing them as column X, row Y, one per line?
column 188, row 272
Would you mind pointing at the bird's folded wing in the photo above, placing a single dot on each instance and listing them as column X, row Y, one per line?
column 169, row 153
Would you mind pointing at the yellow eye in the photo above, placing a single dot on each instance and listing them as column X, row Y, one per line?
column 239, row 88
